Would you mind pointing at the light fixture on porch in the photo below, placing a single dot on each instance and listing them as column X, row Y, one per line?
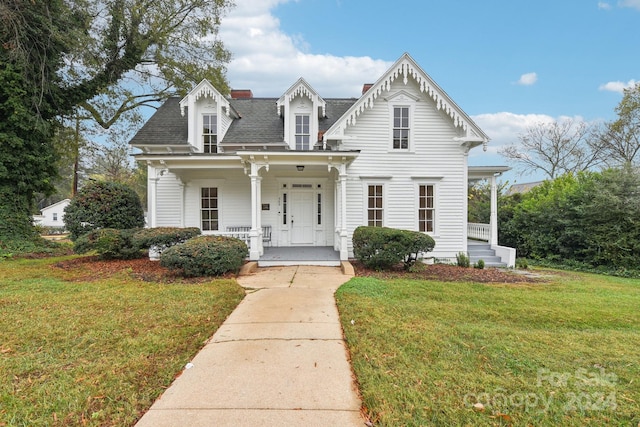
column 300, row 168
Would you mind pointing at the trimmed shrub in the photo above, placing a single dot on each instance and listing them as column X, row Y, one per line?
column 382, row 248
column 479, row 265
column 462, row 260
column 205, row 256
column 162, row 238
column 103, row 205
column 109, row 243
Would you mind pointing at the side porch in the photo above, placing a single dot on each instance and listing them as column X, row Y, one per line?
column 482, row 239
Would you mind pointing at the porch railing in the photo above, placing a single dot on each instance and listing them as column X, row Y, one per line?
column 478, row 231
column 242, row 235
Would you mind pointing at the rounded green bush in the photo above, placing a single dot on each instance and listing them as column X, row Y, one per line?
column 109, row 243
column 103, row 205
column 205, row 256
column 382, row 248
column 164, row 237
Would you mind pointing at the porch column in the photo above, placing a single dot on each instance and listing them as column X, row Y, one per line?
column 337, row 214
column 259, row 214
column 183, row 191
column 254, row 250
column 344, row 243
column 493, row 222
column 153, row 179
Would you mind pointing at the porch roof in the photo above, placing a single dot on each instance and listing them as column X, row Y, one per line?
column 482, row 172
column 241, row 158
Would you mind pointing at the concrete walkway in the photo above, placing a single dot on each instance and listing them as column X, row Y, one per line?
column 278, row 360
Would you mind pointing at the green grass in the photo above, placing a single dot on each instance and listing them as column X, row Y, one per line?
column 77, row 352
column 564, row 353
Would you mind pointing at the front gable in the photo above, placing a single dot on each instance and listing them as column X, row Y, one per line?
column 209, row 116
column 301, row 109
column 416, row 84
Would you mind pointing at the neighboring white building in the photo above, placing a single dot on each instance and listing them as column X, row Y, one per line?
column 314, row 169
column 52, row 215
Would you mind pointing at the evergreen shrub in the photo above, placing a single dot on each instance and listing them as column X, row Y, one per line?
column 109, row 243
column 381, row 248
column 205, row 256
column 103, row 205
column 161, row 238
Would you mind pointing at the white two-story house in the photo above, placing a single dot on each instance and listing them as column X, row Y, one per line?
column 304, row 171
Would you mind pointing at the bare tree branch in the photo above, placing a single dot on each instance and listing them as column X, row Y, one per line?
column 555, row 148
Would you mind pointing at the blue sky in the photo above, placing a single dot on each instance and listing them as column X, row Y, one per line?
column 508, row 64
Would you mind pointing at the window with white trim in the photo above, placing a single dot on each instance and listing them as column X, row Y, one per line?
column 401, row 128
column 209, row 208
column 55, row 216
column 303, row 133
column 426, row 208
column 209, row 133
column 375, row 210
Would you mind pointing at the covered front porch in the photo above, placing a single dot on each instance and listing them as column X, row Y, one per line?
column 483, row 238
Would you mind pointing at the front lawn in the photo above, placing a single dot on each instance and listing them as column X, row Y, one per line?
column 563, row 352
column 94, row 348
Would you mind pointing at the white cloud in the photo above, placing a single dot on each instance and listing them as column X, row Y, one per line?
column 268, row 61
column 604, row 6
column 618, row 86
column 503, row 128
column 635, row 4
column 528, row 79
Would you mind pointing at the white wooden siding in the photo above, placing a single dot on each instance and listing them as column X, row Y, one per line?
column 434, row 157
column 223, row 126
column 168, row 201
column 234, row 199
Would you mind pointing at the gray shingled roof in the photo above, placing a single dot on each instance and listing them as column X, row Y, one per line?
column 166, row 127
column 259, row 122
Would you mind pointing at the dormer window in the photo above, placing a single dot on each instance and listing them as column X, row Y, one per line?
column 401, row 128
column 303, row 133
column 209, row 133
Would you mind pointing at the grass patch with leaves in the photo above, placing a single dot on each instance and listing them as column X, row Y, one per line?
column 564, row 352
column 97, row 352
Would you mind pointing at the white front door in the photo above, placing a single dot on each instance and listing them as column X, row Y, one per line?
column 302, row 208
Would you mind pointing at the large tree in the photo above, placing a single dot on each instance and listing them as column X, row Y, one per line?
column 620, row 139
column 103, row 56
column 555, row 148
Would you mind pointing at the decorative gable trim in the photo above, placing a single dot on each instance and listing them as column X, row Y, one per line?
column 404, row 68
column 301, row 88
column 205, row 89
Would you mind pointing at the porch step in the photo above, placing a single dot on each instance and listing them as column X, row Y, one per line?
column 282, row 263
column 300, row 255
column 483, row 251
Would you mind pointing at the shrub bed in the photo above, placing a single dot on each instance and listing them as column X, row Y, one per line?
column 381, row 248
column 205, row 256
column 109, row 243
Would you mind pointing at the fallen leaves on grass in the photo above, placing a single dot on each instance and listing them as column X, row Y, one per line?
column 91, row 268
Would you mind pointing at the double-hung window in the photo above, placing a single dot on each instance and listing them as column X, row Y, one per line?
column 426, row 208
column 375, row 207
column 209, row 208
column 303, row 134
column 210, row 133
column 401, row 128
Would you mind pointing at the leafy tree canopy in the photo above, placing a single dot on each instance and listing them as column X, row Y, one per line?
column 103, row 58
